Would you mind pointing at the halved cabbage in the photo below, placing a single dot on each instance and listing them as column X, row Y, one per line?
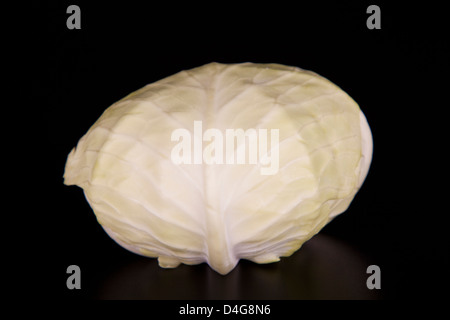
column 198, row 211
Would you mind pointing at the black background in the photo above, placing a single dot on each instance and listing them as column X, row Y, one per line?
column 398, row 75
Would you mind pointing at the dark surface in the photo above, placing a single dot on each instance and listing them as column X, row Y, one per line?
column 325, row 268
column 393, row 73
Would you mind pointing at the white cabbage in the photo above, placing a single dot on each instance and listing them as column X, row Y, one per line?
column 220, row 213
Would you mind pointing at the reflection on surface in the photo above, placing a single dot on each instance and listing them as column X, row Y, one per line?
column 324, row 268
